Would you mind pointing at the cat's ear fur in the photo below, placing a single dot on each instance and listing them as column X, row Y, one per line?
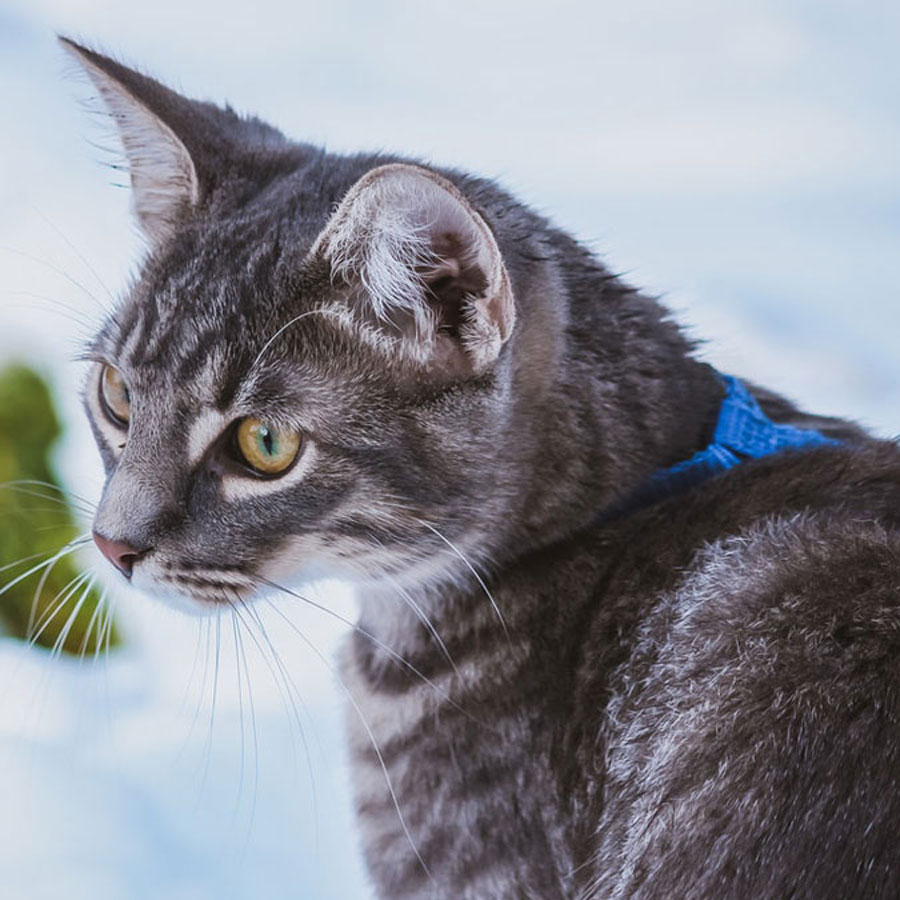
column 425, row 266
column 164, row 179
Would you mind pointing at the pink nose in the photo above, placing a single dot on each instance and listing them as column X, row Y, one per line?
column 123, row 556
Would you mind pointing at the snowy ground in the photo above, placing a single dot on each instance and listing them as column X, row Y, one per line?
column 144, row 776
column 742, row 158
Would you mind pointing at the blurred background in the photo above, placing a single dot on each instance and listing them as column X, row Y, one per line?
column 742, row 160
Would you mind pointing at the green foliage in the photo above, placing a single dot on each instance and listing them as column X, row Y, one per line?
column 37, row 521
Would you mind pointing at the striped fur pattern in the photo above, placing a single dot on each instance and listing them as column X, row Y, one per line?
column 700, row 699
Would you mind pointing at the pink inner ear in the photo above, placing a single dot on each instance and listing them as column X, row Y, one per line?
column 445, row 268
column 452, row 277
column 448, row 251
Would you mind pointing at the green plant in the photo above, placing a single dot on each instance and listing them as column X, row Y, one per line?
column 56, row 605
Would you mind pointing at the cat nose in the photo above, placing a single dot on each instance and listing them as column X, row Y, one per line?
column 123, row 556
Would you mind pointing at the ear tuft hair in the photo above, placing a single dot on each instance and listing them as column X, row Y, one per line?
column 426, row 264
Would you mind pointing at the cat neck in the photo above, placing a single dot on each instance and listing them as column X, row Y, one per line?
column 627, row 399
column 598, row 431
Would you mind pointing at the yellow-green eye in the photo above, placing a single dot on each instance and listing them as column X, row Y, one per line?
column 114, row 395
column 265, row 448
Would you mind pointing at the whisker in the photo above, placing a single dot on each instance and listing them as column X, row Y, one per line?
column 374, row 742
column 106, row 620
column 190, row 679
column 105, row 635
column 63, row 636
column 24, row 559
column 42, row 581
column 240, row 687
column 426, row 621
column 473, row 570
column 243, row 657
column 212, row 710
column 59, row 554
column 77, row 253
column 47, row 616
column 50, row 305
column 28, row 510
column 71, row 588
column 54, row 606
column 66, row 496
column 204, row 631
column 292, row 692
column 54, row 558
column 370, row 637
column 278, row 334
column 59, row 271
column 95, row 619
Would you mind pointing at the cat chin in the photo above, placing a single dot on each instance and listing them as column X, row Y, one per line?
column 194, row 605
column 203, row 603
column 191, row 603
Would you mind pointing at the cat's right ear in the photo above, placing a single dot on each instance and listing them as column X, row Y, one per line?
column 164, row 179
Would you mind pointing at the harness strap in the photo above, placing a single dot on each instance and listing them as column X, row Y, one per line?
column 743, row 431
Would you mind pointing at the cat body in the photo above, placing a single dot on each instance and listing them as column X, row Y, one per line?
column 552, row 693
column 705, row 705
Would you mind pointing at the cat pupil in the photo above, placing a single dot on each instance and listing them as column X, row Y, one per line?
column 267, row 440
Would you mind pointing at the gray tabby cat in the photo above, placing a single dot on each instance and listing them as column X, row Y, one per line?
column 370, row 367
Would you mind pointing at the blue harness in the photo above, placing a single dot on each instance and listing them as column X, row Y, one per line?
column 743, row 431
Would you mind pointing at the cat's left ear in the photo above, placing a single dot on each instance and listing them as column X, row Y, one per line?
column 424, row 266
column 148, row 117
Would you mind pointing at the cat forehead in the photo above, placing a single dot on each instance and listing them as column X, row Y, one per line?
column 301, row 368
column 164, row 346
column 198, row 319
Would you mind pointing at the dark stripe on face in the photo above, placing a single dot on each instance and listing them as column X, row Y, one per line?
column 191, row 565
column 223, row 334
column 191, row 364
column 234, row 377
column 128, row 324
column 376, row 531
column 231, row 383
column 147, row 325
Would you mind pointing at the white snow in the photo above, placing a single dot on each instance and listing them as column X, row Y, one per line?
column 126, row 778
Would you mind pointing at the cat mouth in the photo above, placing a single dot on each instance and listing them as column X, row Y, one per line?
column 204, row 590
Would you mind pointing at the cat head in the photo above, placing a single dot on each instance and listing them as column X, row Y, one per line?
column 314, row 371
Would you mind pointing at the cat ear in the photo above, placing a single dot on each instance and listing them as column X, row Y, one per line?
column 164, row 179
column 426, row 266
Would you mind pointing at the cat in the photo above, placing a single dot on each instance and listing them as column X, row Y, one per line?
column 578, row 672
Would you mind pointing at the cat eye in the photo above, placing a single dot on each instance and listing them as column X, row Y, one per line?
column 114, row 396
column 266, row 449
